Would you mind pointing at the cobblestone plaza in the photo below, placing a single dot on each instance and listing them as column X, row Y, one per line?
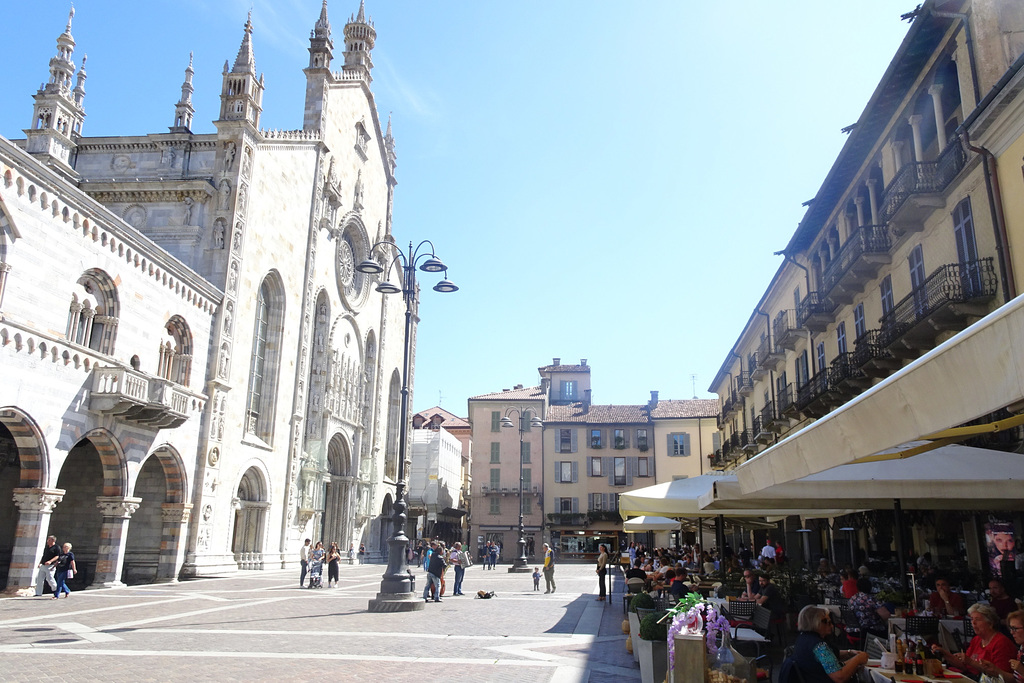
column 260, row 626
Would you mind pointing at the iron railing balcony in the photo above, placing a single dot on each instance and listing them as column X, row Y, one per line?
column 845, row 377
column 762, row 434
column 857, row 262
column 744, row 383
column 815, row 312
column 784, row 329
column 757, row 370
column 943, row 302
column 786, row 399
column 732, row 405
column 918, row 178
column 871, row 356
column 811, row 395
column 747, row 441
column 770, row 419
column 769, row 356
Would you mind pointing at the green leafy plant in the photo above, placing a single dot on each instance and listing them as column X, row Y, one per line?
column 643, row 601
column 652, row 628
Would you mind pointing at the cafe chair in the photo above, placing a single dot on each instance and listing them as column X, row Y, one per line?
column 759, row 632
column 790, row 672
column 850, row 625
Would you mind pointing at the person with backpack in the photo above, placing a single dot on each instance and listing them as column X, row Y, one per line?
column 435, row 569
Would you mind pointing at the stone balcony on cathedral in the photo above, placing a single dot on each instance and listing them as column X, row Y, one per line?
column 138, row 397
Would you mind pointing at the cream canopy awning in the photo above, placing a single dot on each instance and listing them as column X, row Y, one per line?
column 681, row 498
column 650, row 523
column 951, row 477
column 975, row 373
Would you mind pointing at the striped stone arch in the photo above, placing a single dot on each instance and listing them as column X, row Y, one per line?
column 174, row 472
column 32, row 451
column 115, row 468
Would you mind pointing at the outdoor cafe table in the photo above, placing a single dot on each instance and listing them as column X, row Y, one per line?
column 876, row 674
column 946, row 629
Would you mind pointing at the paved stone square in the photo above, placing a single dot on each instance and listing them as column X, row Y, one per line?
column 260, row 626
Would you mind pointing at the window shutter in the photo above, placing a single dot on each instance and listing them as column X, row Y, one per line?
column 495, row 421
column 575, row 505
column 572, row 447
column 669, row 448
column 630, row 470
column 575, row 472
column 604, row 501
column 558, row 441
column 625, row 437
column 716, row 439
column 558, row 472
column 526, row 451
column 686, row 445
column 609, row 467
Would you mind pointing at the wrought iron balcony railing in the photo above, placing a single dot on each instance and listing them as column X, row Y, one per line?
column 784, row 328
column 866, row 242
column 744, row 383
column 923, row 177
column 815, row 312
column 949, row 284
column 812, row 390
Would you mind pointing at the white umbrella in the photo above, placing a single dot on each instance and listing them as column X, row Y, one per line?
column 649, row 523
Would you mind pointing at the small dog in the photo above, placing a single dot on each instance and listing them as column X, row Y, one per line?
column 485, row 595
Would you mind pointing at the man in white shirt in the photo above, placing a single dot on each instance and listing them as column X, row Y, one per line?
column 768, row 551
column 304, row 562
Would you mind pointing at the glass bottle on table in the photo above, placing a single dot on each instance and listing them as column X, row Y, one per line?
column 900, row 653
column 910, row 658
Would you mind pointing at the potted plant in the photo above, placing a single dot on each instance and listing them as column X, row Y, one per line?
column 704, row 633
column 642, row 601
column 653, row 649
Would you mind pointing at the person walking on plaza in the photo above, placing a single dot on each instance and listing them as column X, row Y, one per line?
column 492, row 556
column 351, row 553
column 66, row 569
column 536, row 578
column 602, row 571
column 48, row 566
column 304, row 562
column 435, row 569
column 362, row 553
column 549, row 569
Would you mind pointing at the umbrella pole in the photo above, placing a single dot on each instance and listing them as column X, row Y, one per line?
column 720, row 535
column 901, row 563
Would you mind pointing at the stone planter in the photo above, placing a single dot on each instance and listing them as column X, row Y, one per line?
column 634, row 630
column 653, row 657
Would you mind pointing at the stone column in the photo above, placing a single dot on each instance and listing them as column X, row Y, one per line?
column 116, row 511
column 915, row 126
column 859, row 201
column 873, row 200
column 940, row 117
column 172, row 550
column 34, row 508
column 5, row 268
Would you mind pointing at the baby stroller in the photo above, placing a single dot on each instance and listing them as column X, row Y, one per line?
column 316, row 572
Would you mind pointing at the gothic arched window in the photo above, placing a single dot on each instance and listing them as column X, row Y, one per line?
column 266, row 357
column 93, row 314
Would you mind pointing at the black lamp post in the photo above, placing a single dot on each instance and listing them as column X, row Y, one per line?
column 520, row 563
column 398, row 585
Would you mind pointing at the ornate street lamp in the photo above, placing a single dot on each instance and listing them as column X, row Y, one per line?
column 398, row 585
column 520, row 563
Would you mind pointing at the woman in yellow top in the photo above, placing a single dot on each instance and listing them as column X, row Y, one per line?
column 602, row 570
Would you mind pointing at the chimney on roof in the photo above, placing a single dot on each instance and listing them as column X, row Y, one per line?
column 583, row 362
column 654, row 400
column 518, row 386
column 586, row 399
column 504, row 389
column 556, row 361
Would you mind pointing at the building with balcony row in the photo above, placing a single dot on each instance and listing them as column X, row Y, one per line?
column 570, row 471
column 196, row 378
column 914, row 234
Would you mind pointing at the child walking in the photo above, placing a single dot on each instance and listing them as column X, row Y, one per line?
column 536, row 578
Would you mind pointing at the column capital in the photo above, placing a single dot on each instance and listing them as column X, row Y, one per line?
column 871, row 182
column 176, row 512
column 858, row 200
column 37, row 500
column 935, row 89
column 118, row 506
column 914, row 120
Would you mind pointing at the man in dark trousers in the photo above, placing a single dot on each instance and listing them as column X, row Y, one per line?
column 435, row 568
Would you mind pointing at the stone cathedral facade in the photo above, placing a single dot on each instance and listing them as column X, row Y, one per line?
column 196, row 378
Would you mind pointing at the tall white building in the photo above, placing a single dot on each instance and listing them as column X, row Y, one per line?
column 196, row 376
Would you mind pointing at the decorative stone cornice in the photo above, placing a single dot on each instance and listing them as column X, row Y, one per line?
column 117, row 506
column 37, row 500
column 176, row 513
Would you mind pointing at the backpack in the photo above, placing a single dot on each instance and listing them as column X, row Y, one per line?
column 485, row 595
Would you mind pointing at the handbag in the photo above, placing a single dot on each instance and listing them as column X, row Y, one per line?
column 71, row 573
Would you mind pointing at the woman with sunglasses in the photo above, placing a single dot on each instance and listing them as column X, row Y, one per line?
column 817, row 660
column 1015, row 622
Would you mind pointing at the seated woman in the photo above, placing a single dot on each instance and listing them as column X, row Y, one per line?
column 849, row 579
column 944, row 602
column 818, row 661
column 871, row 614
column 990, row 651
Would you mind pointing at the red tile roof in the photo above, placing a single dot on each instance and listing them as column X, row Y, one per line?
column 564, row 368
column 606, row 414
column 695, row 407
column 450, row 419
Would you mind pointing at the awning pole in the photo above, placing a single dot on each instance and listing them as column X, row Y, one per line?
column 901, row 556
column 720, row 537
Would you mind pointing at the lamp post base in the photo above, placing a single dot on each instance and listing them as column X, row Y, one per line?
column 517, row 568
column 396, row 602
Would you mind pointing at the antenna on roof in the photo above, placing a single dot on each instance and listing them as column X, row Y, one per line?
column 440, row 398
column 693, row 381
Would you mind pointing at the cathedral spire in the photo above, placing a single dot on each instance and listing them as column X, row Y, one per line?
column 389, row 146
column 241, row 96
column 183, row 110
column 245, row 61
column 323, row 25
column 58, row 115
column 321, row 48
column 359, row 39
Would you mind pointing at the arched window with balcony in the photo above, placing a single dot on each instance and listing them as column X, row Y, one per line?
column 175, row 356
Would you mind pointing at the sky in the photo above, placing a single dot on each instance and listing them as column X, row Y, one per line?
column 603, row 180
